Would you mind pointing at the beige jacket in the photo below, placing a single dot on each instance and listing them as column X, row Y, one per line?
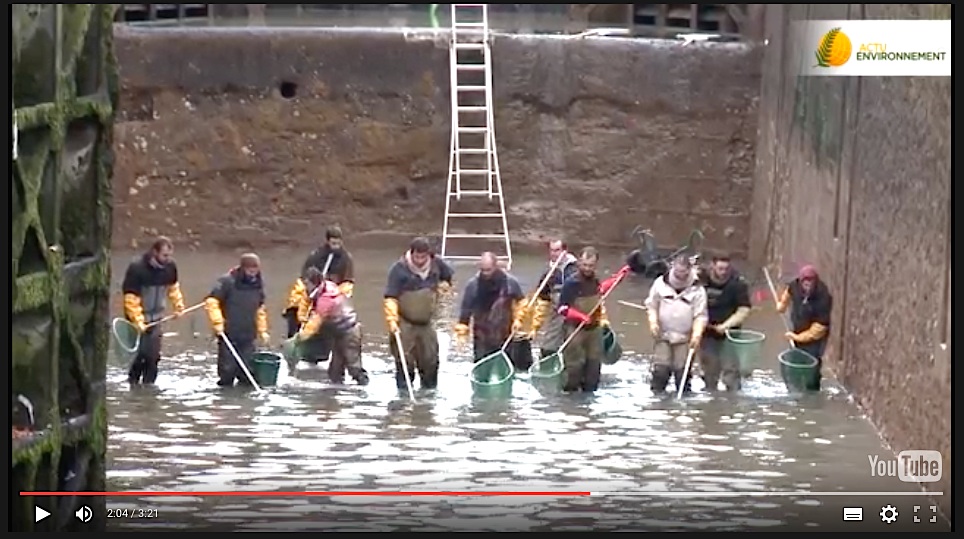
column 677, row 313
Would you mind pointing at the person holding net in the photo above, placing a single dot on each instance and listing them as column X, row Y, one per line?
column 494, row 305
column 236, row 310
column 150, row 282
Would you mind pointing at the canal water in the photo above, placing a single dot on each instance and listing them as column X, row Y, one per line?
column 760, row 460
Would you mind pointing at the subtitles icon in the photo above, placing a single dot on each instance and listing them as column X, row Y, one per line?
column 853, row 514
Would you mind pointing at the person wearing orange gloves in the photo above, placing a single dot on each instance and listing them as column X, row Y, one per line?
column 236, row 310
column 810, row 304
column 151, row 281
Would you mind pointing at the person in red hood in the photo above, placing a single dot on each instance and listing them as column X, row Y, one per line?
column 333, row 316
column 810, row 303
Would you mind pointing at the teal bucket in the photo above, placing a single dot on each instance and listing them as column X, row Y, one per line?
column 612, row 351
column 492, row 376
column 264, row 368
column 546, row 374
column 746, row 346
column 798, row 369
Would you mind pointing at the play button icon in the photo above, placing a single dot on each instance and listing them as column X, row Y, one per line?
column 40, row 513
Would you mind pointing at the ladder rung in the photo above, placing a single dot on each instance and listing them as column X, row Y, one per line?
column 475, row 215
column 479, row 193
column 473, row 130
column 469, row 25
column 469, row 88
column 479, row 172
column 473, row 108
column 470, row 67
column 473, row 150
column 470, row 46
column 475, row 235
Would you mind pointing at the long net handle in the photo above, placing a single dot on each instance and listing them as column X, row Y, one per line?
column 404, row 362
column 170, row 317
column 237, row 357
column 776, row 302
column 532, row 300
column 594, row 309
column 686, row 372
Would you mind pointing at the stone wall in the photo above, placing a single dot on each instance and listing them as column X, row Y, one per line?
column 237, row 137
column 854, row 175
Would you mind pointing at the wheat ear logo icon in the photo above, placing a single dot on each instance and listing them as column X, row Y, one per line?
column 834, row 49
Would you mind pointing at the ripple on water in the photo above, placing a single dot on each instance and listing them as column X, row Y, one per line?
column 308, row 435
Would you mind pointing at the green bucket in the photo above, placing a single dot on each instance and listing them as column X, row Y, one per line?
column 798, row 369
column 611, row 348
column 264, row 368
column 492, row 376
column 746, row 346
column 546, row 373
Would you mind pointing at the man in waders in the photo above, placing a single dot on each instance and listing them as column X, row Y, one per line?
column 676, row 308
column 150, row 282
column 810, row 304
column 581, row 294
column 235, row 308
column 341, row 271
column 414, row 284
column 495, row 305
column 333, row 314
column 728, row 305
column 545, row 314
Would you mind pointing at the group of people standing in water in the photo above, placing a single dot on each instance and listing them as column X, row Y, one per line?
column 688, row 308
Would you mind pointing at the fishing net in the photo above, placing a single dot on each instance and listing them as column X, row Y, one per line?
column 798, row 369
column 492, row 376
column 746, row 347
column 546, row 373
column 127, row 338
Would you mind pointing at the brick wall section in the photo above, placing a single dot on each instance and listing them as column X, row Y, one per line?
column 853, row 174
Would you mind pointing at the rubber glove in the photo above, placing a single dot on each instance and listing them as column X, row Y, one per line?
column 462, row 333
column 610, row 282
column 654, row 328
column 695, row 340
column 604, row 323
column 791, row 336
column 265, row 339
column 573, row 315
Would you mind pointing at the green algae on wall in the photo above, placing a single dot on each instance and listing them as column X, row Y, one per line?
column 65, row 94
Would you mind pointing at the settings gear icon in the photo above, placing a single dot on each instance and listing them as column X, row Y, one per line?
column 888, row 514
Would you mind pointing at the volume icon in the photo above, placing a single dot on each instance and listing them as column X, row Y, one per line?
column 84, row 514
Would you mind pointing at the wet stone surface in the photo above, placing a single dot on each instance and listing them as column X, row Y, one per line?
column 658, row 463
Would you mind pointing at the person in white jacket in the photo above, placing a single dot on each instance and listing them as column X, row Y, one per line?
column 677, row 318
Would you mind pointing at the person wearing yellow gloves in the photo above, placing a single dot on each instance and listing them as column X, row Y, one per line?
column 236, row 310
column 411, row 303
column 581, row 308
column 677, row 313
column 728, row 305
column 494, row 304
column 810, row 303
column 545, row 311
column 151, row 281
column 333, row 314
column 340, row 269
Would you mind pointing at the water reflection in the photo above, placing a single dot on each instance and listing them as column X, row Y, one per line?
column 306, row 434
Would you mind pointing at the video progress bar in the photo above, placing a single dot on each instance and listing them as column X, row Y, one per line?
column 436, row 494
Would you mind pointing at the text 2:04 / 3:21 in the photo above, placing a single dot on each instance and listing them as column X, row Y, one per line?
column 131, row 513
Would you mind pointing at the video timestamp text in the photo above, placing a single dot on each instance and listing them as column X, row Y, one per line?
column 131, row 513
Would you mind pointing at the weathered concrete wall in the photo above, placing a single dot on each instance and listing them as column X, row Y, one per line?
column 853, row 174
column 595, row 136
column 64, row 92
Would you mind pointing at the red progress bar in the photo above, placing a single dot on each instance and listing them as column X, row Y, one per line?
column 242, row 493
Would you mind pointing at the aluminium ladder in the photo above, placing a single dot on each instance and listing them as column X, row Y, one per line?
column 474, row 182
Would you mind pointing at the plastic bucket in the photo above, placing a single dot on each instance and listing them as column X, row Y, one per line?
column 264, row 368
column 520, row 353
column 746, row 346
column 492, row 376
column 798, row 369
column 546, row 373
column 611, row 348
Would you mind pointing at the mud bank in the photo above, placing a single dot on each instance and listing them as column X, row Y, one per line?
column 230, row 137
column 854, row 175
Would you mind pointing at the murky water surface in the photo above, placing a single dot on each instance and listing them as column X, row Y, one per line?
column 659, row 463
